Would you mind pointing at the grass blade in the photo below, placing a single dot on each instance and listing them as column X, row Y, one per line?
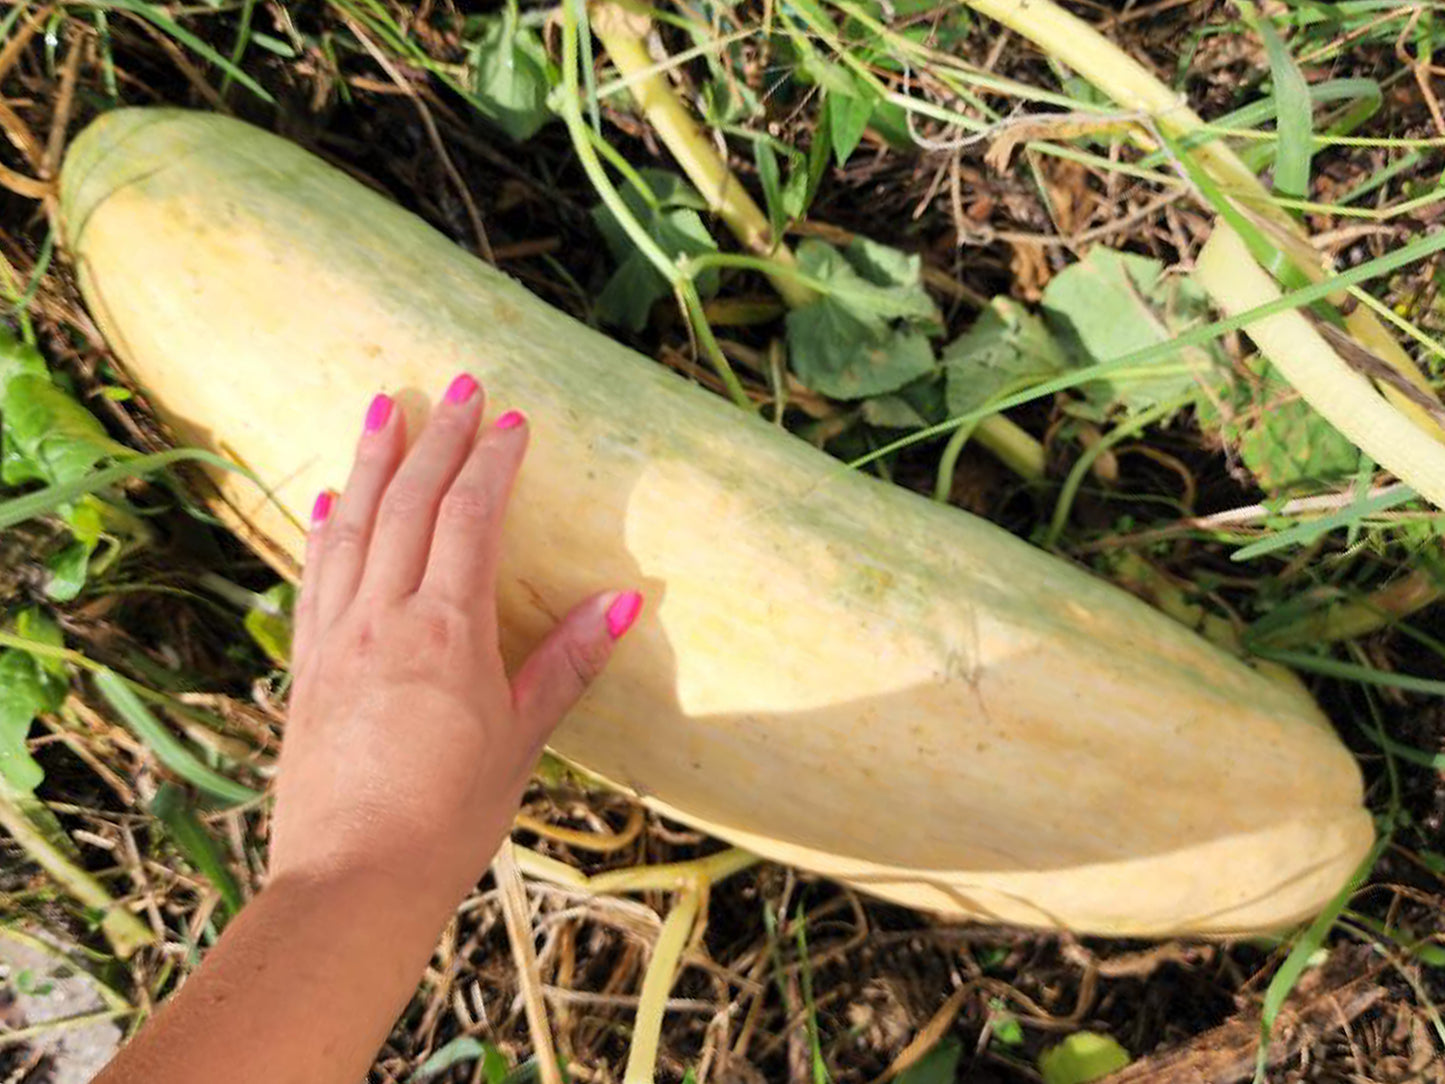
column 167, row 748
column 1349, row 671
column 1294, row 116
column 45, row 501
column 163, row 22
column 1304, row 533
column 1299, row 956
column 195, row 842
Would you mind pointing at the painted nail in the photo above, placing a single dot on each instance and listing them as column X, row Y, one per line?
column 322, row 508
column 622, row 614
column 510, row 420
column 461, row 389
column 378, row 413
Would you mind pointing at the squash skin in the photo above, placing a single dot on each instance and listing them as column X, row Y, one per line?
column 831, row 671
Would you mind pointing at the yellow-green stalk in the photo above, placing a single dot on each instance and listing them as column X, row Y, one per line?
column 1134, row 88
column 623, row 32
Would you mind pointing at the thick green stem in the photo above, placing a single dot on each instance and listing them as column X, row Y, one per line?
column 571, row 111
column 1133, row 87
column 623, row 32
column 1337, row 392
column 624, row 35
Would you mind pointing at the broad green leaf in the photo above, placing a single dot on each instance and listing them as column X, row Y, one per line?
column 938, row 1066
column 48, row 437
column 669, row 214
column 269, row 622
column 1279, row 437
column 867, row 332
column 1005, row 350
column 28, row 688
column 1082, row 1057
column 1112, row 304
column 510, row 74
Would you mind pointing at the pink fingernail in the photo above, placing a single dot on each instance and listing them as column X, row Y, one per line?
column 461, row 389
column 378, row 413
column 322, row 508
column 511, row 419
column 622, row 614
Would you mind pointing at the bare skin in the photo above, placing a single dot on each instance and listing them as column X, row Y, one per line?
column 407, row 749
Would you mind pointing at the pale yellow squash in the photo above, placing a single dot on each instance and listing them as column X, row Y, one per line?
column 831, row 671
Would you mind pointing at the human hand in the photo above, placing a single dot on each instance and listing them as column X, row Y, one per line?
column 407, row 746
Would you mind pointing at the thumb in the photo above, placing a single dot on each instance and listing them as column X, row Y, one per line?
column 558, row 672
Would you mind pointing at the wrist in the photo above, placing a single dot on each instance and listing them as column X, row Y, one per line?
column 367, row 893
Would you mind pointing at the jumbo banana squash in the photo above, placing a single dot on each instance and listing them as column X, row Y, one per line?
column 831, row 671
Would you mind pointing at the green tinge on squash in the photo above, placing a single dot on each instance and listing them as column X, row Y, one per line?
column 831, row 671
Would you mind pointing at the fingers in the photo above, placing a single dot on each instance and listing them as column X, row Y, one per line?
column 407, row 516
column 348, row 530
column 468, row 536
column 303, row 625
column 559, row 671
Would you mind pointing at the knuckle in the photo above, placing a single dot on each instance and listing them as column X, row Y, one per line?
column 345, row 535
column 468, row 504
column 406, row 498
column 441, row 630
column 585, row 659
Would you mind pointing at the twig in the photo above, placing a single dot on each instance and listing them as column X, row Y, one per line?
column 524, row 952
column 484, row 244
column 123, row 930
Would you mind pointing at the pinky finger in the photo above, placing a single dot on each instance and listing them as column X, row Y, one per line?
column 304, row 630
column 572, row 656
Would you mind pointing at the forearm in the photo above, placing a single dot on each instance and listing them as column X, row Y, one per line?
column 303, row 987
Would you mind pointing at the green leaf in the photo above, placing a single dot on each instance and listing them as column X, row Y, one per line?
column 846, row 115
column 1279, row 437
column 867, row 332
column 938, row 1066
column 459, row 1051
column 28, row 688
column 48, row 436
column 668, row 211
column 1082, row 1057
column 1112, row 304
column 1007, row 349
column 770, row 177
column 68, row 567
column 269, row 622
column 510, row 74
